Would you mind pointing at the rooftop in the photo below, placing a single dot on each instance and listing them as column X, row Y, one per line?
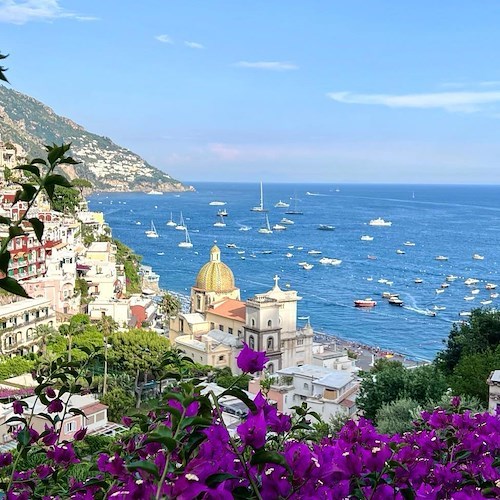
column 21, row 305
column 230, row 308
column 312, row 371
column 335, row 379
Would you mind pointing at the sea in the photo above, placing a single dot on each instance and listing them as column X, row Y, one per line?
column 456, row 222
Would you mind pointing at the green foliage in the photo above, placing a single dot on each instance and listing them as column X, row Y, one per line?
column 82, row 287
column 225, row 378
column 2, row 69
column 397, row 416
column 130, row 262
column 119, row 402
column 12, row 367
column 170, row 304
column 66, row 199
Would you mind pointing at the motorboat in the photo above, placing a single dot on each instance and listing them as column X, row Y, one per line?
column 286, row 221
column 465, row 313
column 469, row 297
column 289, row 255
column 231, row 245
column 307, row 266
column 314, row 252
column 153, row 191
column 217, row 203
column 451, row 277
column 151, row 233
column 279, row 227
column 365, row 237
column 220, row 223
column 267, row 229
column 439, row 290
column 494, row 295
column 428, row 312
column 171, row 222
column 379, row 222
column 471, row 281
column 222, row 212
column 245, row 228
column 182, row 225
column 418, row 280
column 240, row 252
column 302, row 263
column 329, row 261
column 187, row 242
column 475, row 291
column 445, row 285
column 266, row 252
column 300, row 248
column 490, row 286
column 486, row 302
column 260, row 206
column 326, row 227
column 441, row 257
column 409, row 244
column 388, row 295
column 400, row 252
column 138, row 223
column 372, row 257
column 395, row 301
column 476, row 256
column 281, row 204
column 382, row 280
column 439, row 308
column 365, row 303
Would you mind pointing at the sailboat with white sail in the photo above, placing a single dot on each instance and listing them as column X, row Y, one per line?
column 267, row 229
column 294, row 211
column 181, row 226
column 151, row 233
column 220, row 223
column 171, row 221
column 187, row 243
column 260, row 207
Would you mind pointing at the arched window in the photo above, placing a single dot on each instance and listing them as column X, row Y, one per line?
column 269, row 323
column 270, row 343
column 198, row 302
column 251, row 342
column 270, row 368
column 253, row 322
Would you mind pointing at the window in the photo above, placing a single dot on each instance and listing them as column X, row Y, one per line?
column 306, row 385
column 270, row 368
column 221, row 328
column 300, row 342
column 198, row 302
column 212, row 326
column 69, row 427
column 181, row 324
column 269, row 323
column 99, row 416
column 270, row 343
column 282, row 345
column 230, row 331
column 251, row 342
column 253, row 322
column 26, row 317
column 221, row 358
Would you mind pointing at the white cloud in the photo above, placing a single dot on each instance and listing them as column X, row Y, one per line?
column 464, row 101
column 24, row 11
column 194, row 45
column 164, row 39
column 269, row 65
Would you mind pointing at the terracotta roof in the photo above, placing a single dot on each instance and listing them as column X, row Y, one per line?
column 347, row 403
column 230, row 308
column 93, row 408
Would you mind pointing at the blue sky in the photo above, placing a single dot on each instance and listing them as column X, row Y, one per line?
column 283, row 90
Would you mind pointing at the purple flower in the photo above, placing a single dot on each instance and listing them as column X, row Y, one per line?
column 127, row 421
column 49, row 436
column 112, row 465
column 253, row 430
column 63, row 455
column 455, row 401
column 55, row 406
column 250, row 361
column 50, row 392
column 80, row 434
column 5, row 459
column 44, row 471
column 18, row 407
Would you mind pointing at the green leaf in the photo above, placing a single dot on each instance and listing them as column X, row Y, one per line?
column 241, row 395
column 24, row 437
column 70, row 161
column 56, row 180
column 38, row 160
column 5, row 220
column 15, row 231
column 12, row 286
column 461, row 455
column 38, row 227
column 29, row 168
column 145, row 466
column 196, row 421
column 269, row 457
column 50, row 191
column 215, row 479
column 4, row 261
column 77, row 411
column 408, row 493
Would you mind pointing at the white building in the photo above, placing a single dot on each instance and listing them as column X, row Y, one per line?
column 494, row 391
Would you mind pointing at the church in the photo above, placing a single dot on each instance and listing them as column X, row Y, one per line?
column 218, row 322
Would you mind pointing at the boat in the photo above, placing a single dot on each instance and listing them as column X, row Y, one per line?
column 187, row 242
column 439, row 290
column 476, row 256
column 441, row 257
column 222, row 212
column 365, row 303
column 220, row 223
column 388, row 295
column 471, row 281
column 439, row 308
column 445, row 285
column 486, row 302
column 151, row 233
column 428, row 312
column 400, row 252
column 138, row 223
column 465, row 313
column 291, row 246
column 474, row 292
column 153, row 191
column 245, row 228
column 302, row 263
column 182, row 225
column 379, row 222
column 279, row 227
column 314, row 252
column 395, row 301
column 260, row 207
column 382, row 280
column 217, row 203
column 307, row 266
column 281, row 204
column 494, row 295
column 160, row 253
column 409, row 244
column 418, row 280
column 300, row 248
column 267, row 229
column 326, row 227
column 266, row 252
column 240, row 252
column 286, row 221
column 372, row 257
column 289, row 255
column 231, row 245
column 294, row 211
column 365, row 237
column 171, row 221
column 490, row 286
column 470, row 297
column 329, row 261
column 451, row 277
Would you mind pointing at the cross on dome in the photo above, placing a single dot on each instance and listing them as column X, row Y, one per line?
column 276, row 279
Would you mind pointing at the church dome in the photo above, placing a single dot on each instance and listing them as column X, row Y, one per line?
column 215, row 276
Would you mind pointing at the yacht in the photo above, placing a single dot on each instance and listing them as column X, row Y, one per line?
column 307, row 266
column 181, row 226
column 476, row 256
column 260, row 207
column 151, row 233
column 331, row 262
column 294, row 211
column 279, row 227
column 326, row 227
column 187, row 242
column 171, row 221
column 486, row 302
column 365, row 237
column 217, row 203
column 418, row 280
column 395, row 301
column 471, row 281
column 267, row 229
column 153, row 191
column 289, row 255
column 281, row 204
column 220, row 223
column 314, row 252
column 409, row 244
column 222, row 212
column 451, row 277
column 368, row 302
column 441, row 257
column 286, row 221
column 490, row 286
column 379, row 222
column 400, row 252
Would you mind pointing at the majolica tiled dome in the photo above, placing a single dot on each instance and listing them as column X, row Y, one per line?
column 215, row 276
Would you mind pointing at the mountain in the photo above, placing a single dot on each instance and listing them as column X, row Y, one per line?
column 28, row 123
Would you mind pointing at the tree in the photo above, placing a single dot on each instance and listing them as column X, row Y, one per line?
column 81, row 185
column 119, row 402
column 66, row 199
column 170, row 304
column 397, row 416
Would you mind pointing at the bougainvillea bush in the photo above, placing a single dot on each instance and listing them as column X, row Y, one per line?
column 183, row 449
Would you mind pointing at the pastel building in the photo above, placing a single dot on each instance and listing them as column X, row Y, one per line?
column 494, row 391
